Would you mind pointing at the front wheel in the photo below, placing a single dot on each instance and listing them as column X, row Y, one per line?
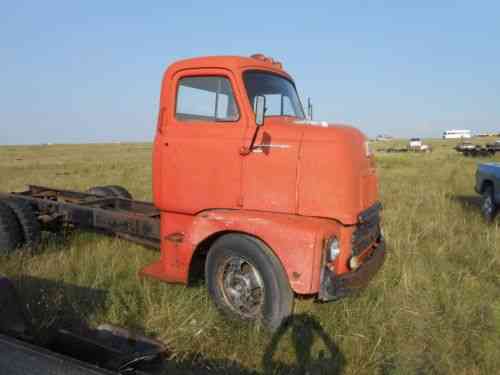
column 488, row 206
column 247, row 282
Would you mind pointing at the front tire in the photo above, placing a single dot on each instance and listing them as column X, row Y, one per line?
column 488, row 206
column 246, row 281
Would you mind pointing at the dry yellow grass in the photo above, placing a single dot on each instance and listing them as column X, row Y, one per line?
column 433, row 309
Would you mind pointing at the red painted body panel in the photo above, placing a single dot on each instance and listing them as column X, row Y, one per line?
column 303, row 183
column 270, row 172
column 337, row 179
column 297, row 242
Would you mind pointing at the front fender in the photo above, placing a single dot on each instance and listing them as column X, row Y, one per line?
column 297, row 241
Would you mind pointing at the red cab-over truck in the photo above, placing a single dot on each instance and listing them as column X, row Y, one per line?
column 263, row 202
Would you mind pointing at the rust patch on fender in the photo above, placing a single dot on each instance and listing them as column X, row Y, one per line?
column 176, row 237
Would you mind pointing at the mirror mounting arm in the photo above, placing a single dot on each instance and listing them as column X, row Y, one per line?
column 259, row 109
column 246, row 150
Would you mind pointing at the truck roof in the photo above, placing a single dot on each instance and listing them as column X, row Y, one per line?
column 230, row 62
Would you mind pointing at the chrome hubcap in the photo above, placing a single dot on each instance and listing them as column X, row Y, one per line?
column 242, row 287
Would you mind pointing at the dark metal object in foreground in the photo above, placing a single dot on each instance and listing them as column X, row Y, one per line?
column 105, row 350
column 21, row 358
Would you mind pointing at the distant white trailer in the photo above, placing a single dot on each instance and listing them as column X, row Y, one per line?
column 457, row 134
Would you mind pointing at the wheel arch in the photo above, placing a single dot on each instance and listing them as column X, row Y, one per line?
column 296, row 241
column 486, row 182
column 200, row 253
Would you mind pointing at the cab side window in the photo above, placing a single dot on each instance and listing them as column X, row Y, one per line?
column 208, row 98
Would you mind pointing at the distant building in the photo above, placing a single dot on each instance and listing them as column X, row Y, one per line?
column 457, row 134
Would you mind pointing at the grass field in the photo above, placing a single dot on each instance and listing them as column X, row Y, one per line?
column 433, row 309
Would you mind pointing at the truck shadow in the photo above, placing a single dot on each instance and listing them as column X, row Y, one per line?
column 467, row 202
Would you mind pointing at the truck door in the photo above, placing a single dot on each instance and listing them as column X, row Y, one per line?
column 269, row 180
column 201, row 163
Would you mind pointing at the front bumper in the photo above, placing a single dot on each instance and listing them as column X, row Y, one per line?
column 334, row 286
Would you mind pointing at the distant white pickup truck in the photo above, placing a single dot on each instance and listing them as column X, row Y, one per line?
column 488, row 185
column 416, row 144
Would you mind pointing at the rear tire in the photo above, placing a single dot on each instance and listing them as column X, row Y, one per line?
column 488, row 206
column 10, row 230
column 101, row 191
column 119, row 191
column 30, row 227
column 246, row 281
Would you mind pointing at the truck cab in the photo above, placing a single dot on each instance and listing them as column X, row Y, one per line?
column 271, row 204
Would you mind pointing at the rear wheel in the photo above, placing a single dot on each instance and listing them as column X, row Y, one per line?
column 246, row 281
column 102, row 191
column 10, row 230
column 30, row 227
column 119, row 191
column 488, row 206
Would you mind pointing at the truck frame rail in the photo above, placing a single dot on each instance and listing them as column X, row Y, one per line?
column 136, row 221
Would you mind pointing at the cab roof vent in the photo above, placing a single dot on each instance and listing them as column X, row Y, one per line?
column 269, row 60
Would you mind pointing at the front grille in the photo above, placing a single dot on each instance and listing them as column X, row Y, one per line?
column 368, row 229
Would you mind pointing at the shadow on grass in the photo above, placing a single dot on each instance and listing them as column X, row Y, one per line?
column 467, row 201
column 301, row 331
column 55, row 304
column 305, row 331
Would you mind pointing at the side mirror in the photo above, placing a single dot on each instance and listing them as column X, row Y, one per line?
column 259, row 109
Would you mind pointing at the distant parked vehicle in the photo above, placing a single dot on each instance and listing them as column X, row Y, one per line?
column 415, row 143
column 457, row 134
column 383, row 138
column 465, row 146
column 494, row 146
column 471, row 149
column 488, row 185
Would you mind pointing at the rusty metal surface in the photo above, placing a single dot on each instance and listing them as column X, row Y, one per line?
column 334, row 287
column 368, row 231
column 134, row 220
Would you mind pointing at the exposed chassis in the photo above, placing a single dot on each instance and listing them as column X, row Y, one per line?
column 133, row 220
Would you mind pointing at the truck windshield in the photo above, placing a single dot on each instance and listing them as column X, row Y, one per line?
column 281, row 96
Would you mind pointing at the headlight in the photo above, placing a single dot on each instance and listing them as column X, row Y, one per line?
column 368, row 149
column 332, row 249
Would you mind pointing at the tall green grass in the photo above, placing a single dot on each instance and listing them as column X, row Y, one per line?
column 433, row 309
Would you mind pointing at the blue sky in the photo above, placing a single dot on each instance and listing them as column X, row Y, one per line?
column 90, row 71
